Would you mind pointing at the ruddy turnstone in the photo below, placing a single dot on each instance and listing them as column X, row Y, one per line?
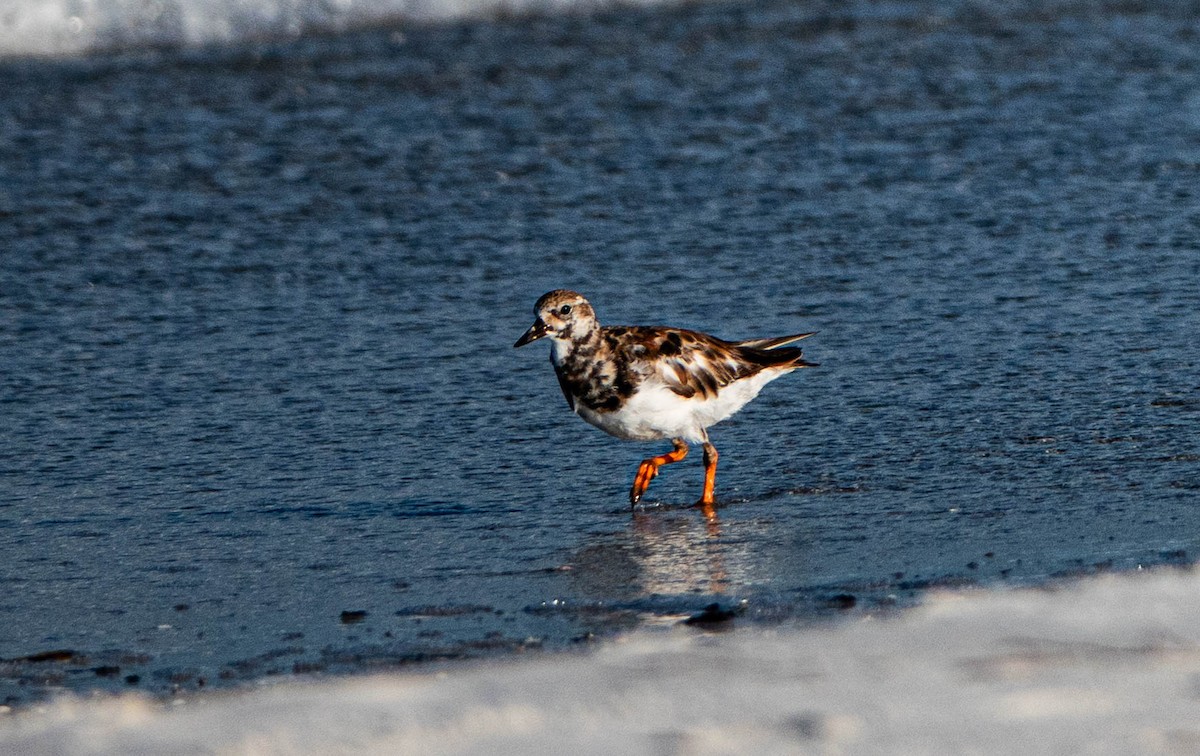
column 643, row 383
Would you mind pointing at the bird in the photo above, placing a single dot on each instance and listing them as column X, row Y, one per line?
column 648, row 383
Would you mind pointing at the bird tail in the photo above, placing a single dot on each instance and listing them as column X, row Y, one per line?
column 774, row 343
column 784, row 358
column 768, row 352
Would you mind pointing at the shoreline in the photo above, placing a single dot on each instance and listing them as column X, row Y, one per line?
column 1108, row 662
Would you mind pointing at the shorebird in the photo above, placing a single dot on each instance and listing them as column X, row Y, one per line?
column 645, row 383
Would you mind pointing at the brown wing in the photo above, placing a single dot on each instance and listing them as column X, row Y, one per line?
column 689, row 363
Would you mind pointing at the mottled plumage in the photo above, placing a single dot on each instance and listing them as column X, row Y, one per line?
column 649, row 382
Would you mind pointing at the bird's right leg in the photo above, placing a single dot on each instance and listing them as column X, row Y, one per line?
column 649, row 468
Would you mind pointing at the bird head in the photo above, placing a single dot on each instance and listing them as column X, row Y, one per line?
column 561, row 314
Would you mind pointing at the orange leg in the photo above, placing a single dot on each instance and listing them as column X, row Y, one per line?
column 649, row 468
column 710, row 478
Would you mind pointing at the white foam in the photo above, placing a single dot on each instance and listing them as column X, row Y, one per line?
column 1108, row 665
column 57, row 28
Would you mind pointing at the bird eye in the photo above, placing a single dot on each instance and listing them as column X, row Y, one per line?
column 564, row 310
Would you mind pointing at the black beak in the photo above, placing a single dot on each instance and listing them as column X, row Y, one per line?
column 535, row 332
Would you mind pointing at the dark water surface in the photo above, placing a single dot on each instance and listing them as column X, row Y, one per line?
column 257, row 310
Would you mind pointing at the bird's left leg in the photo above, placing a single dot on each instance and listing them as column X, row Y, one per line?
column 649, row 468
column 710, row 477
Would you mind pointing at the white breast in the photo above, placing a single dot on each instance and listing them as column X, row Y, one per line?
column 655, row 412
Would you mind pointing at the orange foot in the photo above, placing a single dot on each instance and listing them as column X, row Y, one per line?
column 649, row 469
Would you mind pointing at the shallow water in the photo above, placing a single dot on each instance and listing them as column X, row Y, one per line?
column 257, row 308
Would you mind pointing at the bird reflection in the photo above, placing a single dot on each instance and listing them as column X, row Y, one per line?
column 680, row 554
column 662, row 553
